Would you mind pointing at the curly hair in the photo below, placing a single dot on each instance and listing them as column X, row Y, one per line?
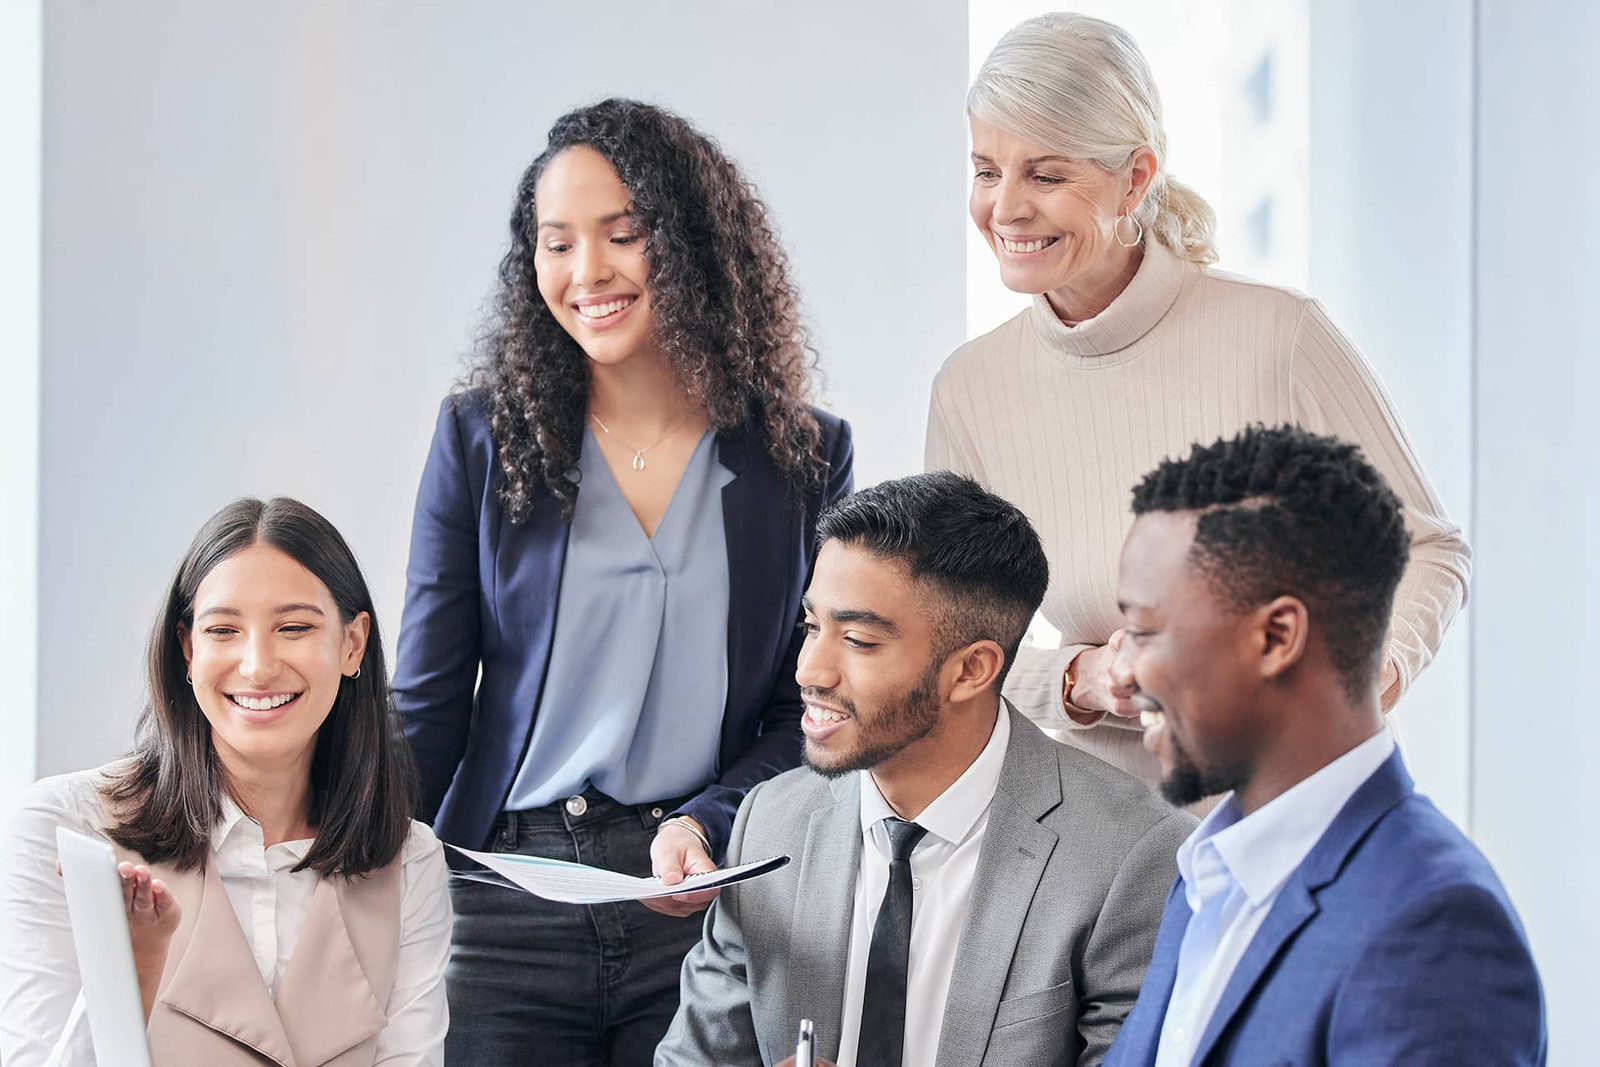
column 725, row 311
column 1288, row 512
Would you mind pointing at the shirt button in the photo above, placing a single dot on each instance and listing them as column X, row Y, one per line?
column 916, row 883
column 577, row 805
column 1180, row 1035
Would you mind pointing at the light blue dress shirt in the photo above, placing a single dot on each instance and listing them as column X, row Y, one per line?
column 1233, row 868
column 638, row 675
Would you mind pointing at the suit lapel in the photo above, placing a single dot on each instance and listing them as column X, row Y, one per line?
column 1297, row 904
column 529, row 559
column 1294, row 908
column 216, row 981
column 819, row 932
column 1016, row 848
column 326, row 999
column 760, row 539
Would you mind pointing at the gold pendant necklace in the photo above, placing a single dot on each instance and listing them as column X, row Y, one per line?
column 638, row 453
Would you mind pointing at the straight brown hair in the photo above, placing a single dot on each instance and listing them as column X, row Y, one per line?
column 168, row 796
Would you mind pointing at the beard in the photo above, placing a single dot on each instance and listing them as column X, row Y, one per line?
column 884, row 731
column 1187, row 784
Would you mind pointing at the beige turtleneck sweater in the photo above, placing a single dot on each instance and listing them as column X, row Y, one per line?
column 1064, row 420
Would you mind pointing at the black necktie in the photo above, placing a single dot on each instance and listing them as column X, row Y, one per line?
column 883, row 1004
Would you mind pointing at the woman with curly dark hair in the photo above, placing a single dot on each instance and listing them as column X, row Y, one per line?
column 612, row 534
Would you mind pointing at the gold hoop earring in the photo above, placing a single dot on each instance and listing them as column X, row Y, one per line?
column 1116, row 230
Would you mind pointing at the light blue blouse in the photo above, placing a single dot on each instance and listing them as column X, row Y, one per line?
column 638, row 675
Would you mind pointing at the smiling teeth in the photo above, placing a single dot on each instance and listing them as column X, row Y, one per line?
column 264, row 703
column 823, row 716
column 1152, row 720
column 600, row 311
column 1023, row 246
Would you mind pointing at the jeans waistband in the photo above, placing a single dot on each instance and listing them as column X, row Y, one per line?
column 587, row 808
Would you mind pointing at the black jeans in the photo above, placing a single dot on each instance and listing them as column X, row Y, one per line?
column 534, row 981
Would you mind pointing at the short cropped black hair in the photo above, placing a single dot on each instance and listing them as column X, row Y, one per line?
column 1288, row 512
column 977, row 551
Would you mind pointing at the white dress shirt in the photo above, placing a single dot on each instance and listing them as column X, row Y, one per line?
column 942, row 868
column 42, row 1021
column 1233, row 868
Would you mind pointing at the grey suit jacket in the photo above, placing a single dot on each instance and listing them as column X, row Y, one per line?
column 1074, row 869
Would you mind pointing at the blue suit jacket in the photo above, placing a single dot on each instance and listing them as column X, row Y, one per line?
column 481, row 590
column 1392, row 943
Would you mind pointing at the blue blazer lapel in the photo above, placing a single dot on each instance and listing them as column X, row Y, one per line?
column 528, row 563
column 1297, row 903
column 1294, row 908
column 763, row 539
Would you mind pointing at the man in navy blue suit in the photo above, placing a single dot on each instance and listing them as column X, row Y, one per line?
column 1324, row 911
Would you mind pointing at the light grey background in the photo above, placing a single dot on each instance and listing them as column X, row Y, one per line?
column 269, row 231
column 1454, row 213
column 21, row 86
column 1536, row 712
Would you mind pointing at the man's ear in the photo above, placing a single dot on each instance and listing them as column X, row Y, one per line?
column 1280, row 631
column 974, row 668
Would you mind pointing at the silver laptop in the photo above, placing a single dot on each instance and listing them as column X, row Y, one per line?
column 105, row 952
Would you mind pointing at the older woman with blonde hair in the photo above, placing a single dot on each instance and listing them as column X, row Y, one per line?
column 1134, row 347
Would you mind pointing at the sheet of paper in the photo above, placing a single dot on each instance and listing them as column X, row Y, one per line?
column 575, row 883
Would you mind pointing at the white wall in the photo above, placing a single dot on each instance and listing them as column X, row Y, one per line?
column 1391, row 257
column 1535, row 725
column 20, row 116
column 269, row 230
column 1454, row 208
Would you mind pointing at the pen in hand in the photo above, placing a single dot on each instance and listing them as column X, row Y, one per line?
column 805, row 1049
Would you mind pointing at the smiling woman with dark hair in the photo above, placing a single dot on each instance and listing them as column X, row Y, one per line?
column 611, row 538
column 280, row 899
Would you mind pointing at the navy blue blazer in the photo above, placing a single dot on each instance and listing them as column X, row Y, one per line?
column 1393, row 942
column 482, row 591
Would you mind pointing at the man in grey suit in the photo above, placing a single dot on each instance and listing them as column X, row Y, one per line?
column 964, row 890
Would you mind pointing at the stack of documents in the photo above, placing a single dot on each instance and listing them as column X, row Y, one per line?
column 575, row 883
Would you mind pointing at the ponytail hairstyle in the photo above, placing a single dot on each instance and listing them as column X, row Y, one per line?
column 1081, row 87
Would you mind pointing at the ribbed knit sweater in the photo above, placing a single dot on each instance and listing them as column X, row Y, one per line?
column 1064, row 420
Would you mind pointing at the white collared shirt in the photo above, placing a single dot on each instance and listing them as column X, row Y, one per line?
column 42, row 1021
column 1233, row 868
column 943, row 865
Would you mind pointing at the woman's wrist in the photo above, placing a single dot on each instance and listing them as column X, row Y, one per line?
column 692, row 825
column 1069, row 681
